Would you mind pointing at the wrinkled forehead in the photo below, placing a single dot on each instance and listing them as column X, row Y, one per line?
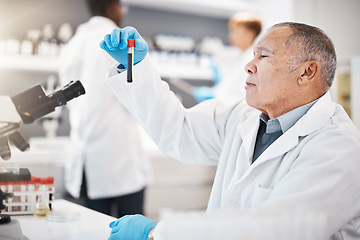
column 274, row 40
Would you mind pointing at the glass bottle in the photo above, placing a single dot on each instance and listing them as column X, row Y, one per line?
column 42, row 203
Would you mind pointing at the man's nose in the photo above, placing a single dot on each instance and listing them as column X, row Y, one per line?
column 250, row 68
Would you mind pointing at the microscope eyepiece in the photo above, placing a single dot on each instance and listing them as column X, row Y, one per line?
column 73, row 90
column 33, row 103
column 68, row 92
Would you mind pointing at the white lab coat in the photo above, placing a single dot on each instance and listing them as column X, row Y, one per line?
column 314, row 165
column 104, row 136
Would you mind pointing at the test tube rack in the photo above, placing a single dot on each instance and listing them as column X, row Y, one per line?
column 27, row 195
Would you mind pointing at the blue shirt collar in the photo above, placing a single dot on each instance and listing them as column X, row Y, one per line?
column 287, row 120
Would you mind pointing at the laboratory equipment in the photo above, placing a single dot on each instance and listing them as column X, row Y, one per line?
column 65, row 33
column 28, row 106
column 174, row 42
column 34, row 196
column 130, row 59
column 42, row 201
column 34, row 35
column 33, row 103
column 31, row 197
column 25, row 107
column 10, row 229
column 50, row 123
column 62, row 216
column 48, row 45
column 27, row 47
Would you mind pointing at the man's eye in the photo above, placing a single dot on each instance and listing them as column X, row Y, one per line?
column 263, row 56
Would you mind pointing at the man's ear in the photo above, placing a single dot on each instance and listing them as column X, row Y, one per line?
column 309, row 70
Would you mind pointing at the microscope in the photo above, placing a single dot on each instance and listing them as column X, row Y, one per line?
column 25, row 108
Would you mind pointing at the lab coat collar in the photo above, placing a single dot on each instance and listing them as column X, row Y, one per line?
column 322, row 111
column 247, row 128
column 99, row 20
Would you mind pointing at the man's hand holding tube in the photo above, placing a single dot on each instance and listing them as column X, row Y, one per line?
column 131, row 227
column 115, row 44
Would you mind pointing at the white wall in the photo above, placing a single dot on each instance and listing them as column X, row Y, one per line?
column 275, row 11
column 339, row 19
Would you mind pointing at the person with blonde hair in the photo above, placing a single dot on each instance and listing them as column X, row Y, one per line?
column 244, row 28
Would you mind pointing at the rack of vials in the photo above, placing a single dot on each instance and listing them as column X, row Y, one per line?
column 30, row 197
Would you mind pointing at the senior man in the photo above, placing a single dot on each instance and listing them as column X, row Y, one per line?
column 288, row 145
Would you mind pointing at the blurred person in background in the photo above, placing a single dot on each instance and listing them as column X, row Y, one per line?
column 229, row 62
column 109, row 166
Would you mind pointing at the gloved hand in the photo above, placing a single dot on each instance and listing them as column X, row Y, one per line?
column 203, row 93
column 115, row 44
column 131, row 227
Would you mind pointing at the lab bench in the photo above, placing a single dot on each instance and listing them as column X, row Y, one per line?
column 84, row 223
column 175, row 185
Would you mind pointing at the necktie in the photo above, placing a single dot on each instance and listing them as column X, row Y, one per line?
column 264, row 140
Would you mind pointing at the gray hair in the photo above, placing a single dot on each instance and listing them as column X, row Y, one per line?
column 313, row 44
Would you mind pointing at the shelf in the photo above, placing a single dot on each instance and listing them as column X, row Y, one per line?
column 29, row 63
column 189, row 72
column 50, row 65
column 209, row 8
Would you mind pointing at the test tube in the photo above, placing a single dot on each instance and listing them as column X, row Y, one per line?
column 51, row 189
column 130, row 59
column 23, row 198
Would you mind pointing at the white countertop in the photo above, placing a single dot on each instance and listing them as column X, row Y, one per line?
column 89, row 224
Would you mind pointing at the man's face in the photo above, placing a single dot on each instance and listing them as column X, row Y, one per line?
column 270, row 85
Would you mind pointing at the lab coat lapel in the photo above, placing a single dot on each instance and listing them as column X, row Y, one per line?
column 282, row 145
column 247, row 129
column 322, row 110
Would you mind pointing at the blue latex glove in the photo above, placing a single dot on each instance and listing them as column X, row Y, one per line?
column 115, row 44
column 131, row 227
column 203, row 93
